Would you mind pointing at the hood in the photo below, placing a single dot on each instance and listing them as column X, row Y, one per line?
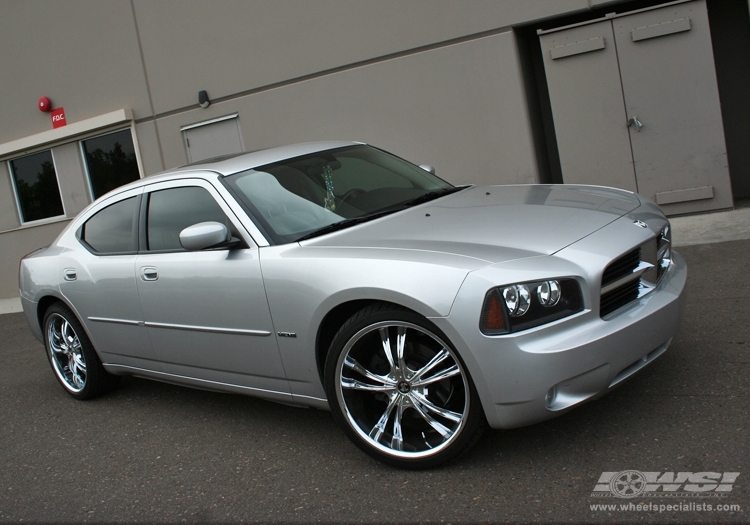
column 493, row 223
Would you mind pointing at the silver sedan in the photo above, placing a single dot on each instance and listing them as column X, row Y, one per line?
column 337, row 276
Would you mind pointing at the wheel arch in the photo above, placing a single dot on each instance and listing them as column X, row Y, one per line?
column 334, row 319
column 48, row 300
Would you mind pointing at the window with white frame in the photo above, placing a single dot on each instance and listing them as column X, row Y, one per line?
column 110, row 161
column 37, row 189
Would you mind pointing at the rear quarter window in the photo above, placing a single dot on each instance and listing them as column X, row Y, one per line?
column 113, row 230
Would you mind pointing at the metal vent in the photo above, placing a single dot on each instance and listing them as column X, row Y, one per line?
column 621, row 282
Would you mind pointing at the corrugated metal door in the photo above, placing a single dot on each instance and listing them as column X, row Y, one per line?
column 667, row 114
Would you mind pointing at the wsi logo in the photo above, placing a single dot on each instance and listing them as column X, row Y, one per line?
column 632, row 483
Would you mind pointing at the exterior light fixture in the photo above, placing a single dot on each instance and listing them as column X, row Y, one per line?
column 203, row 99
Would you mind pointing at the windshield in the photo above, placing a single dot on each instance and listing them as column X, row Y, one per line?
column 299, row 197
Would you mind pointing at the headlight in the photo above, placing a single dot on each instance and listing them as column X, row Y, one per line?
column 663, row 251
column 521, row 306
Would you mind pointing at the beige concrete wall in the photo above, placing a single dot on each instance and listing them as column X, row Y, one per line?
column 459, row 108
column 83, row 55
column 232, row 46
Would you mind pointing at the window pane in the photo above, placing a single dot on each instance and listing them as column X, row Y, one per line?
column 171, row 211
column 112, row 230
column 111, row 162
column 36, row 185
column 292, row 198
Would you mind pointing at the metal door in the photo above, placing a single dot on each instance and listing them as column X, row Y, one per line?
column 669, row 81
column 641, row 85
column 214, row 138
column 586, row 97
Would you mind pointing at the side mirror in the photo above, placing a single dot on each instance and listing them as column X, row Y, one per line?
column 427, row 168
column 204, row 235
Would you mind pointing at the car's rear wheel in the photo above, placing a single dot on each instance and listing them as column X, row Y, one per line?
column 399, row 389
column 72, row 356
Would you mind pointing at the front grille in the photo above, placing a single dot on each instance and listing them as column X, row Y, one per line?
column 636, row 273
column 627, row 291
column 623, row 266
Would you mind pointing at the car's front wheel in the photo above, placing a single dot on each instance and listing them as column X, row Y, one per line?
column 399, row 389
column 72, row 356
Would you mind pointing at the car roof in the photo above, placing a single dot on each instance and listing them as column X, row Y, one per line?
column 229, row 164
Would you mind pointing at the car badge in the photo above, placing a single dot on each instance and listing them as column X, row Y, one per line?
column 641, row 224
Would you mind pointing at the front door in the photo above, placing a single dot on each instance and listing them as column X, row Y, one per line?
column 205, row 311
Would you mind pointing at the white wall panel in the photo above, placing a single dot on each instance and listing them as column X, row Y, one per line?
column 72, row 178
column 8, row 207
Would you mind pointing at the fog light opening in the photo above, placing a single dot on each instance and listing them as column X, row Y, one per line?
column 551, row 397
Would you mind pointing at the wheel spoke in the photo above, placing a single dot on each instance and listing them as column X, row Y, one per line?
column 439, row 427
column 359, row 385
column 448, row 372
column 377, row 431
column 400, row 344
column 77, row 373
column 397, row 441
column 419, row 399
column 386, row 340
column 352, row 364
column 65, row 329
column 80, row 363
column 438, row 358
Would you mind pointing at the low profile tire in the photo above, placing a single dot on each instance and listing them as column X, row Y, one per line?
column 71, row 354
column 399, row 390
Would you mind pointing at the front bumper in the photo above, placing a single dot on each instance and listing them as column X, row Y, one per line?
column 540, row 373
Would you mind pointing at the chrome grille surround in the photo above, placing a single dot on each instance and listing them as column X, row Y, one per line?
column 636, row 273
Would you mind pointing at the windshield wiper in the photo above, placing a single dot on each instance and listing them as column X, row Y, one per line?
column 431, row 195
column 336, row 226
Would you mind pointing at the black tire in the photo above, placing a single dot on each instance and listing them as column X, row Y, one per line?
column 417, row 408
column 72, row 356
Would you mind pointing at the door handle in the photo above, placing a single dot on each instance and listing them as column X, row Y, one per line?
column 634, row 120
column 69, row 274
column 149, row 273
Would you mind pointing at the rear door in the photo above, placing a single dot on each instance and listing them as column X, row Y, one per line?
column 98, row 278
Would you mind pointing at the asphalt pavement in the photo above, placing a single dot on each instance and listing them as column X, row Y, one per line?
column 155, row 453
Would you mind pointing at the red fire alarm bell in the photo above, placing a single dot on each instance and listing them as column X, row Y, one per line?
column 44, row 104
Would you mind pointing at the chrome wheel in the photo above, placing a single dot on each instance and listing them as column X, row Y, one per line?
column 66, row 353
column 72, row 356
column 403, row 391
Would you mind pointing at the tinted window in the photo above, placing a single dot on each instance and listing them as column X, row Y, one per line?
column 171, row 211
column 113, row 229
column 36, row 186
column 110, row 160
